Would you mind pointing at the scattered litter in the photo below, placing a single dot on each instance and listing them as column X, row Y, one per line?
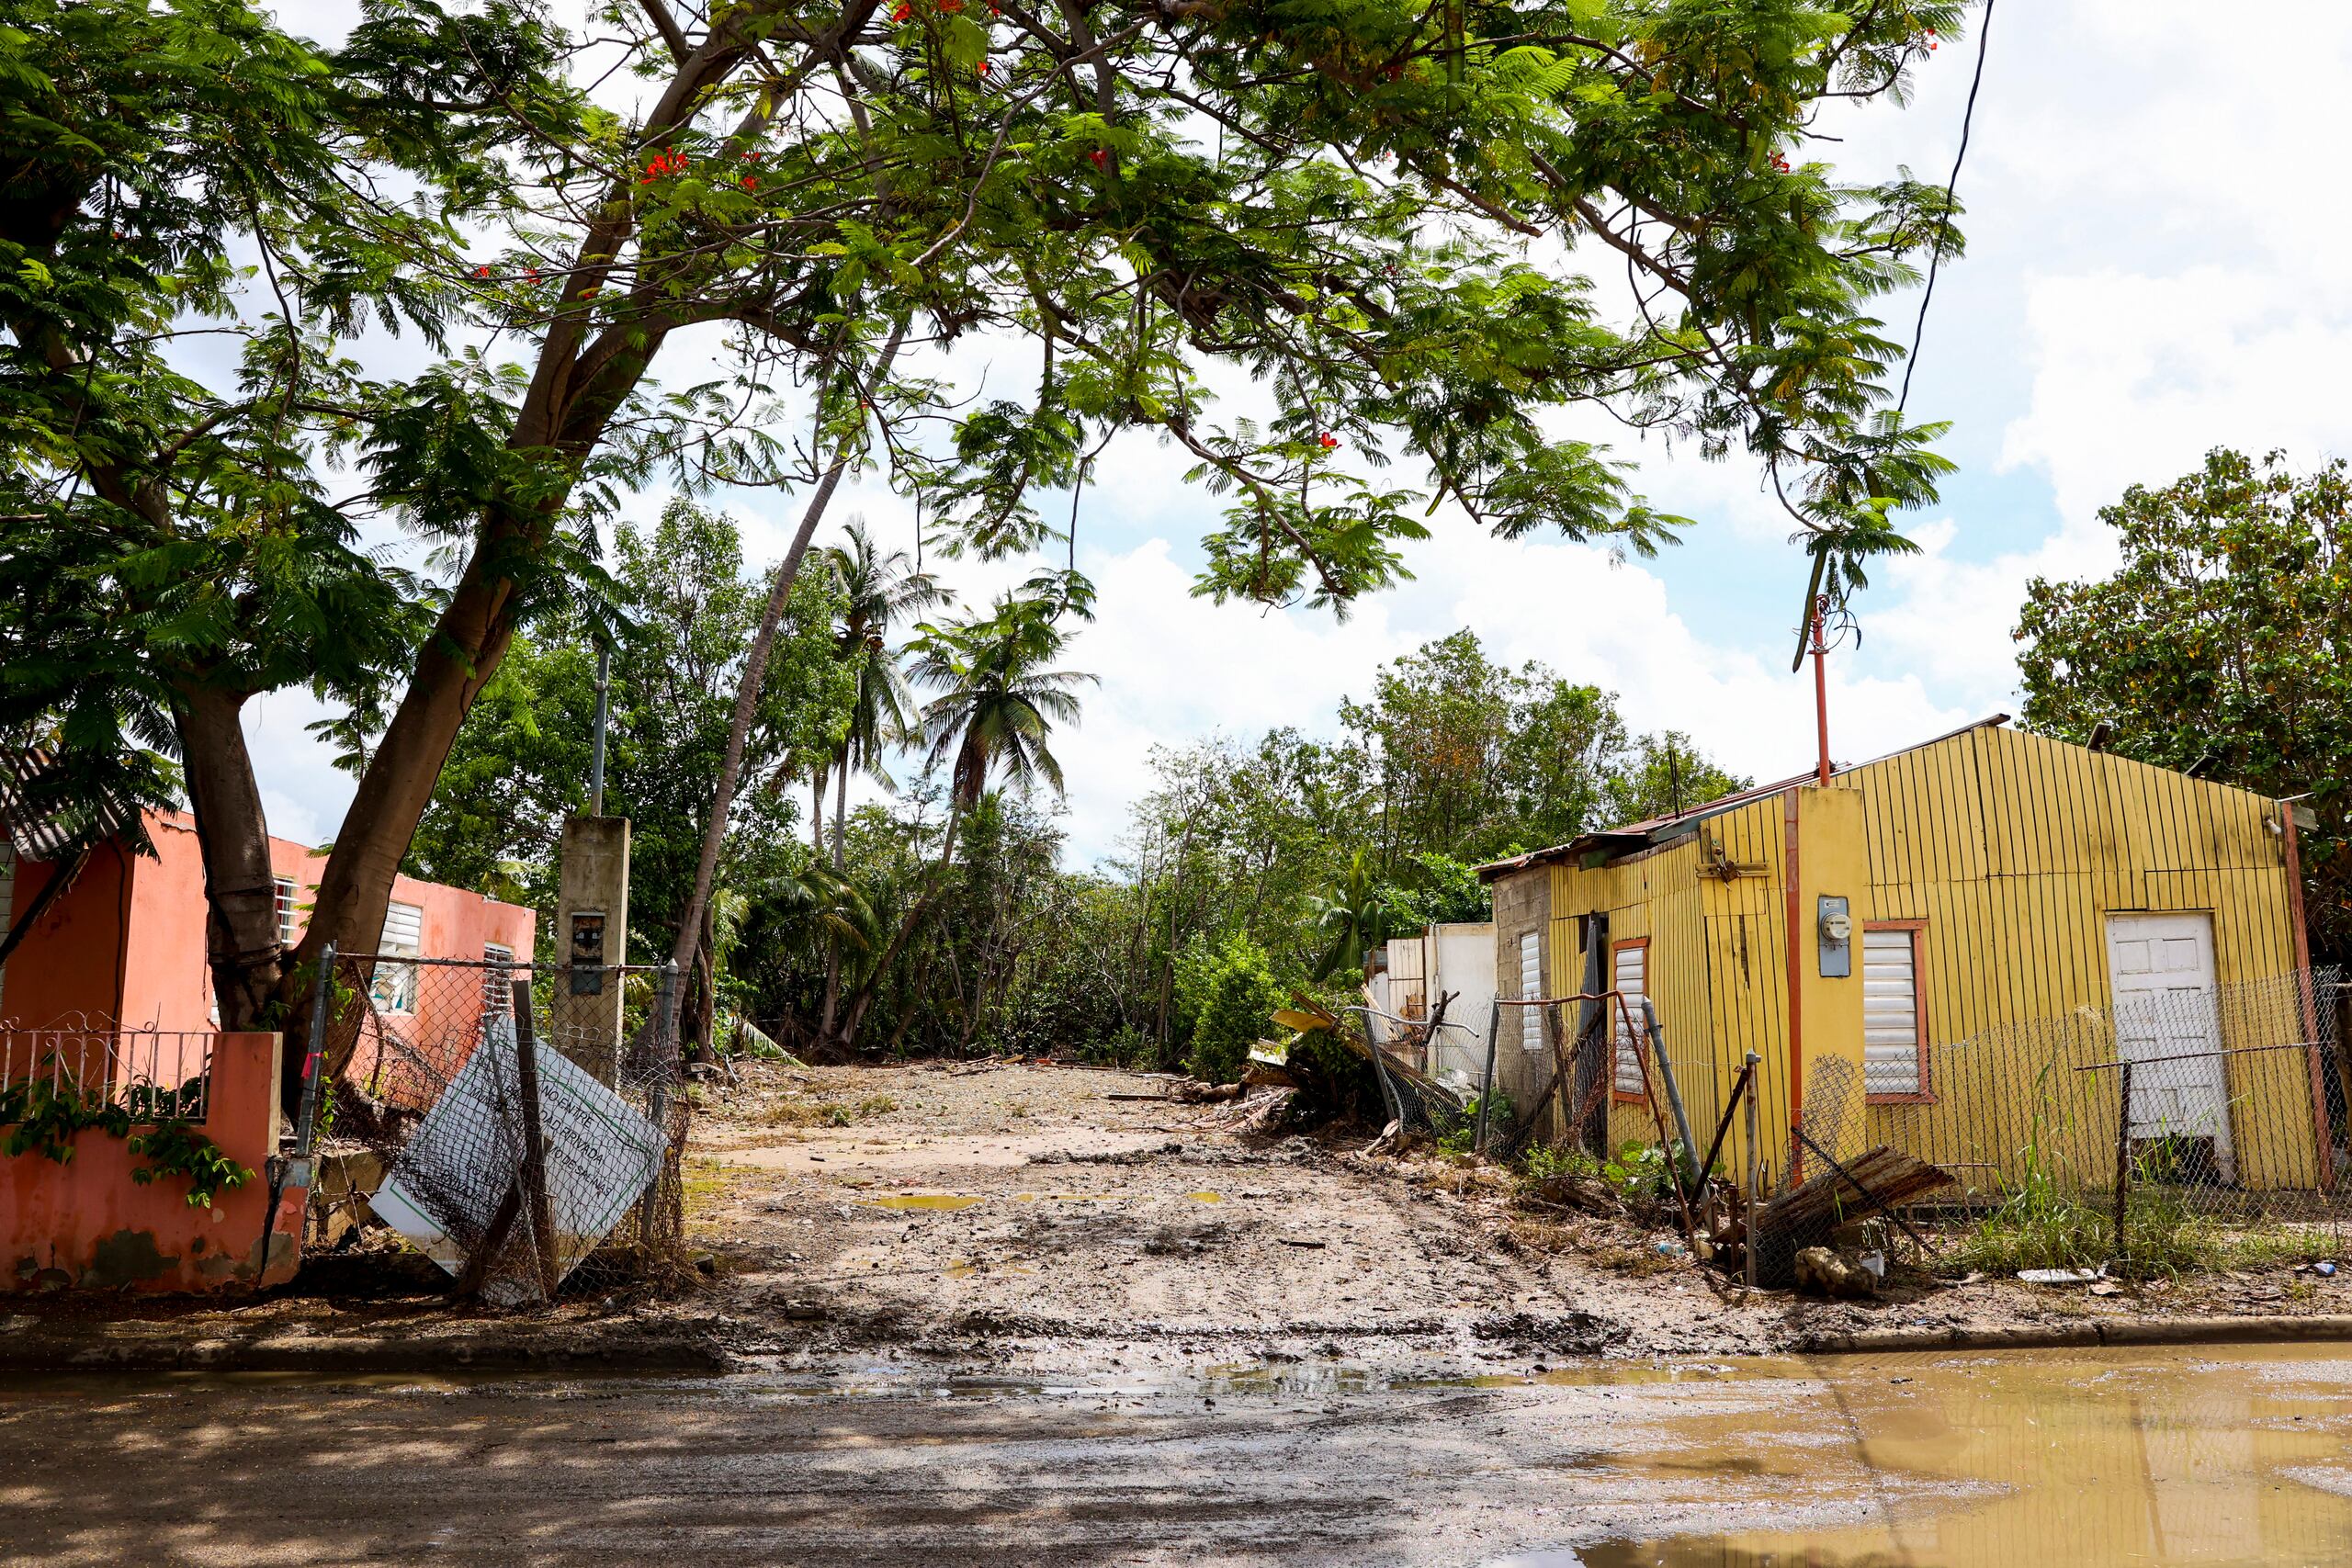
column 1666, row 1249
column 1299, row 1241
column 2323, row 1268
column 2062, row 1276
column 2107, row 1288
column 1875, row 1264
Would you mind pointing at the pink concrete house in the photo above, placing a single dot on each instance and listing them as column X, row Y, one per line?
column 124, row 945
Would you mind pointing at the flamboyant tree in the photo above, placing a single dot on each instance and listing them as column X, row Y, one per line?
column 1395, row 217
column 198, row 207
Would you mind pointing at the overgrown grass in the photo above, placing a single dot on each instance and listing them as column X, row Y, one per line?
column 2037, row 1226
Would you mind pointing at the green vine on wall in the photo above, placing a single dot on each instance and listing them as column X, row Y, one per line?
column 42, row 1119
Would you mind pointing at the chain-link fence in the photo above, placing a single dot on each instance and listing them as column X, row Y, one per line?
column 523, row 1127
column 2181, row 1125
column 2187, row 1127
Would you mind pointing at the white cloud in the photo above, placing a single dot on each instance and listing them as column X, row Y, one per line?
column 1173, row 666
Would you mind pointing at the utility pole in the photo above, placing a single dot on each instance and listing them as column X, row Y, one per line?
column 603, row 710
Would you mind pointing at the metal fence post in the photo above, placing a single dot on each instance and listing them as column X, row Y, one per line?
column 1755, row 1167
column 294, row 1170
column 1673, row 1091
column 2122, row 1153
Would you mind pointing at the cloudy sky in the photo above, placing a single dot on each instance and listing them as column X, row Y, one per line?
column 2154, row 268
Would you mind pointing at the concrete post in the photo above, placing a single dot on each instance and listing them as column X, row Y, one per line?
column 590, row 933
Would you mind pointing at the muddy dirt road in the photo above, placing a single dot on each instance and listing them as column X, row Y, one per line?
column 1067, row 1219
column 1070, row 1213
column 2153, row 1458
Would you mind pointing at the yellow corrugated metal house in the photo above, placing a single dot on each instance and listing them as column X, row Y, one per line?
column 1930, row 940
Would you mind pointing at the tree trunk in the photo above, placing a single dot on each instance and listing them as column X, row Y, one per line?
column 241, row 935
column 841, row 813
column 816, row 808
column 755, row 668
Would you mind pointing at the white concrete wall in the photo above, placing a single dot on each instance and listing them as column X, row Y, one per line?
column 1462, row 959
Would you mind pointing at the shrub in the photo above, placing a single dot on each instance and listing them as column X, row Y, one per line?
column 1237, row 1009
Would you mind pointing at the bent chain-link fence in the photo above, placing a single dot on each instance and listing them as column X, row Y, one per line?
column 523, row 1126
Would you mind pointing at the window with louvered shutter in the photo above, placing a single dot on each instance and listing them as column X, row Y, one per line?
column 497, row 982
column 1531, row 984
column 1631, row 977
column 1892, row 1038
column 395, row 987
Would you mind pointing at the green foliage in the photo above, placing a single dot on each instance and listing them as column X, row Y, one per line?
column 43, row 1119
column 1638, row 1170
column 683, row 610
column 2221, row 646
column 1236, row 1011
column 1500, row 1114
column 173, row 1148
column 1546, row 1162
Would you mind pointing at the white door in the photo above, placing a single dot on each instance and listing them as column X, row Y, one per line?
column 2162, row 967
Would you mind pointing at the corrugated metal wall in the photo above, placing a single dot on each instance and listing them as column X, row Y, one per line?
column 2011, row 849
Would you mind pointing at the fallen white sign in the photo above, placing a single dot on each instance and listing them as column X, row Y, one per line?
column 445, row 1190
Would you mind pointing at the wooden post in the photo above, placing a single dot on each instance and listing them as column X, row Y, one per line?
column 535, row 1167
column 1486, row 1088
column 2122, row 1154
column 1755, row 1167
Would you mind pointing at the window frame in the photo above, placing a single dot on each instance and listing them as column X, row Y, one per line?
column 493, row 955
column 284, row 892
column 1530, row 1019
column 394, row 983
column 1627, row 1096
column 1926, row 1093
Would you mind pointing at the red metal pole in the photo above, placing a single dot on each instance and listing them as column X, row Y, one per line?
column 1821, row 690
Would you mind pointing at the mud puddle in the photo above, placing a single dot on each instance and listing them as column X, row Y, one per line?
column 2241, row 1455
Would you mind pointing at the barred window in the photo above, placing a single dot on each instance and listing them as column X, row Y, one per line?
column 285, row 885
column 497, row 993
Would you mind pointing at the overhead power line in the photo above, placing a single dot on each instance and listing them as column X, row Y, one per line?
column 1936, row 256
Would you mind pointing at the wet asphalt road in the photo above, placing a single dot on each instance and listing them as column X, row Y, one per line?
column 2156, row 1457
column 245, row 1473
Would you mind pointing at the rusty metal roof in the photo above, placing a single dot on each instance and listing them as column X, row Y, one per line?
column 1634, row 836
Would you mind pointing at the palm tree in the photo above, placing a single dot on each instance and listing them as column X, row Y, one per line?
column 998, row 703
column 881, row 590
